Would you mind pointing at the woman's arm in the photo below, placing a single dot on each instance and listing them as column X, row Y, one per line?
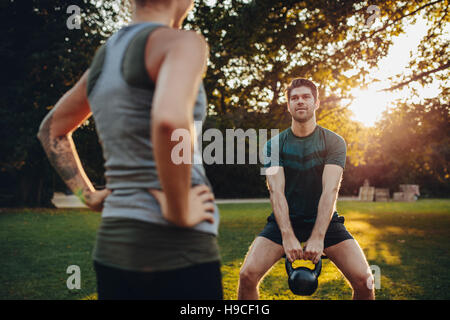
column 177, row 84
column 55, row 134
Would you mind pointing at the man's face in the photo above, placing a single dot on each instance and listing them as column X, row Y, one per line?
column 301, row 104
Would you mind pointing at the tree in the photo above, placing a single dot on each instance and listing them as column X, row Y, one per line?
column 264, row 43
column 432, row 60
column 411, row 146
column 258, row 46
column 42, row 59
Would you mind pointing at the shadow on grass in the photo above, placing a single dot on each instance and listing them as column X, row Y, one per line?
column 408, row 242
column 410, row 245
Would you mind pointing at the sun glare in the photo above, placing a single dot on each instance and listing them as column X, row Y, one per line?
column 370, row 103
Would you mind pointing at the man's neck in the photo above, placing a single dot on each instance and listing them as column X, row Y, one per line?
column 303, row 129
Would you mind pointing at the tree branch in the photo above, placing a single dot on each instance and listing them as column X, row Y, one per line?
column 416, row 77
column 364, row 37
column 333, row 110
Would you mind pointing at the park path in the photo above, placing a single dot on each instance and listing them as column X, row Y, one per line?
column 60, row 200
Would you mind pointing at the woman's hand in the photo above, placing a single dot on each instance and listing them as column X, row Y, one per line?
column 200, row 207
column 94, row 199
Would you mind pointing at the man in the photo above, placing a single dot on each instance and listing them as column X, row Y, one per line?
column 303, row 182
column 143, row 84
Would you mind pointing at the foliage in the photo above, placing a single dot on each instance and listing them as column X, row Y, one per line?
column 432, row 60
column 412, row 145
column 256, row 47
column 42, row 58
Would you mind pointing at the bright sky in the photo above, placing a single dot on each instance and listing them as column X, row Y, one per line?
column 369, row 104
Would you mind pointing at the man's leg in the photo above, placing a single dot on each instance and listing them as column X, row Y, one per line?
column 351, row 261
column 263, row 254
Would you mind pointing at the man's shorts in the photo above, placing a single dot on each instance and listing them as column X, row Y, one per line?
column 336, row 231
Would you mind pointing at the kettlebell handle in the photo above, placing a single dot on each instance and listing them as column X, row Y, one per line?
column 289, row 267
column 317, row 268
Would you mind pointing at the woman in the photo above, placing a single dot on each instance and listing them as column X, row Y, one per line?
column 144, row 84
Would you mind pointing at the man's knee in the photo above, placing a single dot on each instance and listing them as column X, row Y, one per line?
column 363, row 282
column 248, row 277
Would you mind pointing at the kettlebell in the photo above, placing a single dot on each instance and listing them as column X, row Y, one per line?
column 303, row 281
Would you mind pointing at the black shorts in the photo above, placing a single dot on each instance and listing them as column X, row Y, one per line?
column 198, row 282
column 336, row 232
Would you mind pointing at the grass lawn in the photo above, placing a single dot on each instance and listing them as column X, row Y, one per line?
column 409, row 242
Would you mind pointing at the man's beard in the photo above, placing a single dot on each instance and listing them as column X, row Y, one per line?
column 306, row 118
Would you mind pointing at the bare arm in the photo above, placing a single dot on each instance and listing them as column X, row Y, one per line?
column 276, row 183
column 331, row 181
column 177, row 85
column 55, row 134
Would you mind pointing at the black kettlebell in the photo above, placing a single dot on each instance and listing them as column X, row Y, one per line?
column 303, row 281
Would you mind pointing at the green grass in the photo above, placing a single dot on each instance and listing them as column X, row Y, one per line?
column 408, row 241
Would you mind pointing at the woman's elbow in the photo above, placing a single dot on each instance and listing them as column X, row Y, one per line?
column 168, row 123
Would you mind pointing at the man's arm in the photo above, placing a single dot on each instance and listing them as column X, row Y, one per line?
column 275, row 183
column 55, row 134
column 331, row 181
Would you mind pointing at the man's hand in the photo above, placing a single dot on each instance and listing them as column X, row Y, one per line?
column 201, row 206
column 313, row 250
column 292, row 248
column 94, row 199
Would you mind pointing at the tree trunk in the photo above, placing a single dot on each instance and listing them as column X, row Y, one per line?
column 34, row 188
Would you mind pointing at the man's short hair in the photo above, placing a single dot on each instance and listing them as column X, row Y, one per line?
column 302, row 82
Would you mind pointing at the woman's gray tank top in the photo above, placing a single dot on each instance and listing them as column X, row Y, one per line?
column 122, row 114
